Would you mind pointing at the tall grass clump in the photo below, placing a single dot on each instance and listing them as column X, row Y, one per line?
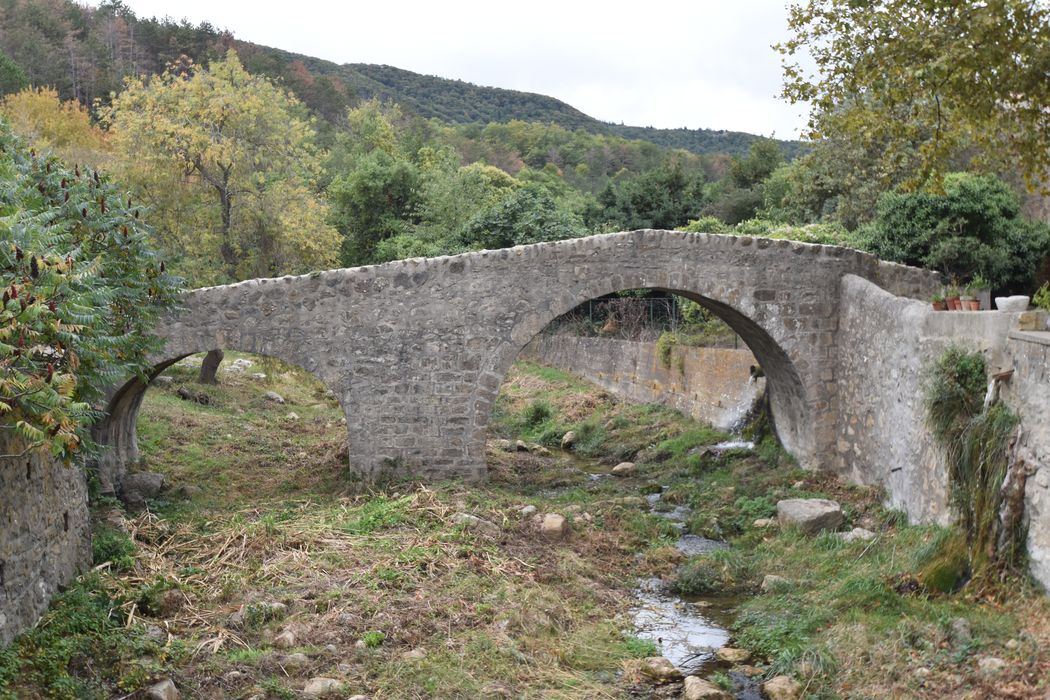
column 975, row 442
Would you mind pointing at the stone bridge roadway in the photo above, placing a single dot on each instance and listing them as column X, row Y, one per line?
column 416, row 350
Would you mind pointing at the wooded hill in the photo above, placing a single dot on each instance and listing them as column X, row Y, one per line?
column 85, row 53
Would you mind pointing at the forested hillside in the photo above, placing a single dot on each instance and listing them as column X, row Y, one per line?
column 85, row 53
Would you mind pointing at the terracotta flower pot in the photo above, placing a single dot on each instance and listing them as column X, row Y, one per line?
column 973, row 304
column 940, row 305
column 953, row 303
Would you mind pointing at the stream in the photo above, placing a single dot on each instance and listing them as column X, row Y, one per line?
column 688, row 630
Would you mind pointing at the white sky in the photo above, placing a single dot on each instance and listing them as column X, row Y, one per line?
column 706, row 63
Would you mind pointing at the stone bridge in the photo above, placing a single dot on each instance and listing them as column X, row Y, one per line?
column 416, row 350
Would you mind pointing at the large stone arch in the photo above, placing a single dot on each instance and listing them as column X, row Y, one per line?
column 788, row 396
column 416, row 350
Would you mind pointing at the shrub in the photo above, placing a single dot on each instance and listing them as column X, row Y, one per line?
column 81, row 294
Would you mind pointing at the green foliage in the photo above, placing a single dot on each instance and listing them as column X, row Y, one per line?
column 378, row 513
column 974, row 227
column 919, row 85
column 641, row 648
column 12, row 77
column 528, row 215
column 108, row 544
column 536, row 413
column 373, row 639
column 663, row 198
column 81, row 294
column 665, row 348
column 974, row 439
column 706, row 224
column 1041, row 298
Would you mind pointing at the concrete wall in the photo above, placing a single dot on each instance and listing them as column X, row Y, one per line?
column 886, row 344
column 711, row 384
column 44, row 535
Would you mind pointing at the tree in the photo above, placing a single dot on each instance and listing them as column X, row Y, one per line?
column 49, row 124
column 82, row 292
column 666, row 197
column 527, row 215
column 920, row 85
column 12, row 77
column 243, row 140
column 974, row 227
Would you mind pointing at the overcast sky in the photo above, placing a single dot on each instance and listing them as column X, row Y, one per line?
column 647, row 63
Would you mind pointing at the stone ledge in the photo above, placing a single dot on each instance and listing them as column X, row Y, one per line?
column 1038, row 337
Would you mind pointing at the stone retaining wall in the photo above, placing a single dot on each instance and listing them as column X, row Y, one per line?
column 44, row 535
column 882, row 436
column 713, row 385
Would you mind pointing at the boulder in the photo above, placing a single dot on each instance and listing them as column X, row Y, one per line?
column 273, row 396
column 162, row 380
column 568, row 439
column 990, row 665
column 473, row 523
column 527, row 512
column 733, row 655
column 659, row 670
column 296, row 661
column 782, row 688
column 137, row 488
column 698, row 689
column 764, row 523
column 810, row 515
column 415, row 654
column 318, row 687
column 554, row 526
column 165, row 690
column 623, row 469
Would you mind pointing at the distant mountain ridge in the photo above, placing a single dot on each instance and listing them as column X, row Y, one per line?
column 85, row 52
column 460, row 102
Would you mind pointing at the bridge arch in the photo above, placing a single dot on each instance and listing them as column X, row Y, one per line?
column 118, row 431
column 787, row 392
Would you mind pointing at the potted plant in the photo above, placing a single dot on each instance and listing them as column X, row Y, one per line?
column 938, row 302
column 951, row 296
column 1041, row 299
column 969, row 301
column 982, row 289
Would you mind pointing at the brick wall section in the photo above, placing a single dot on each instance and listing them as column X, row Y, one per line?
column 44, row 535
column 712, row 385
column 416, row 350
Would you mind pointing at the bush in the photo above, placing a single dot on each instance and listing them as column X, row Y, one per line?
column 974, row 228
column 109, row 544
column 81, row 294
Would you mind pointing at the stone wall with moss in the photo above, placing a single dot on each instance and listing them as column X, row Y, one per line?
column 44, row 534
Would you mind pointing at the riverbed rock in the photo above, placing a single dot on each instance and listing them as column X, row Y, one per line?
column 568, row 439
column 857, row 533
column 296, row 661
column 554, row 526
column 273, row 396
column 623, row 469
column 733, row 655
column 165, row 690
column 659, row 670
column 764, row 523
column 414, row 654
column 284, row 640
column 810, row 515
column 782, row 688
column 320, row 686
column 961, row 632
column 473, row 523
column 527, row 512
column 696, row 688
column 162, row 381
column 140, row 486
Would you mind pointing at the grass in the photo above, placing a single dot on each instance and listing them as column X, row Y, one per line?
column 263, row 533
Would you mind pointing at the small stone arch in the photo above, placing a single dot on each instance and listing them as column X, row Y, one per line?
column 117, row 432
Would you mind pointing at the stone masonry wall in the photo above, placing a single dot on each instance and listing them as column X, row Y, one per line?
column 887, row 344
column 44, row 535
column 713, row 385
column 1028, row 392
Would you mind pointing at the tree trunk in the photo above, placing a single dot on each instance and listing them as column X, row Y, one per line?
column 210, row 367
